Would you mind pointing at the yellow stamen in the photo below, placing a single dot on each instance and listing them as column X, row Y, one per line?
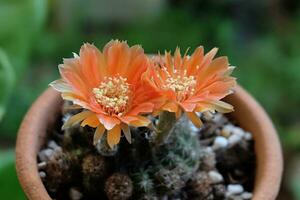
column 182, row 84
column 113, row 95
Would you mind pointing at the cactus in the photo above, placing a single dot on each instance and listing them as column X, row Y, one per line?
column 219, row 191
column 60, row 168
column 155, row 169
column 182, row 149
column 144, row 185
column 94, row 165
column 173, row 163
column 118, row 187
column 169, row 181
column 94, row 168
column 78, row 136
column 163, row 162
column 208, row 159
column 199, row 186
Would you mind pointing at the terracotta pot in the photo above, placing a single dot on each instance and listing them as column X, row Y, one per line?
column 248, row 113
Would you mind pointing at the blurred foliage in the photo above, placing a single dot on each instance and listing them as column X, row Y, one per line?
column 20, row 23
column 9, row 185
column 6, row 81
column 261, row 37
column 293, row 175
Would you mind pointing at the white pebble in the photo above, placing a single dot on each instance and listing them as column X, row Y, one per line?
column 233, row 139
column 238, row 131
column 248, row 136
column 228, row 127
column 42, row 174
column 209, row 150
column 247, row 195
column 42, row 165
column 75, row 194
column 45, row 154
column 215, row 177
column 235, row 189
column 52, row 144
column 220, row 142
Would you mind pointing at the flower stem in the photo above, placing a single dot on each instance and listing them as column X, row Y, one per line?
column 164, row 127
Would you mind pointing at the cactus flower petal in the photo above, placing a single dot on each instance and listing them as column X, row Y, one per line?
column 108, row 85
column 193, row 83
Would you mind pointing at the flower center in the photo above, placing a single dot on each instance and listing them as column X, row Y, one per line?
column 113, row 95
column 181, row 84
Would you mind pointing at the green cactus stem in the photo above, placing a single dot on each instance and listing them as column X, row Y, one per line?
column 164, row 127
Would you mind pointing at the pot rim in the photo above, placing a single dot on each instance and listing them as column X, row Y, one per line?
column 33, row 132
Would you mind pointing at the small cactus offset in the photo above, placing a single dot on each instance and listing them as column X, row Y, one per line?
column 94, row 169
column 200, row 186
column 94, row 165
column 135, row 127
column 59, row 168
column 168, row 181
column 118, row 187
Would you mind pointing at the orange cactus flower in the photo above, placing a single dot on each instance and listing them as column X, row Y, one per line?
column 109, row 87
column 195, row 83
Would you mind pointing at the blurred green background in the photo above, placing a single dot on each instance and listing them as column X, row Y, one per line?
column 261, row 37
